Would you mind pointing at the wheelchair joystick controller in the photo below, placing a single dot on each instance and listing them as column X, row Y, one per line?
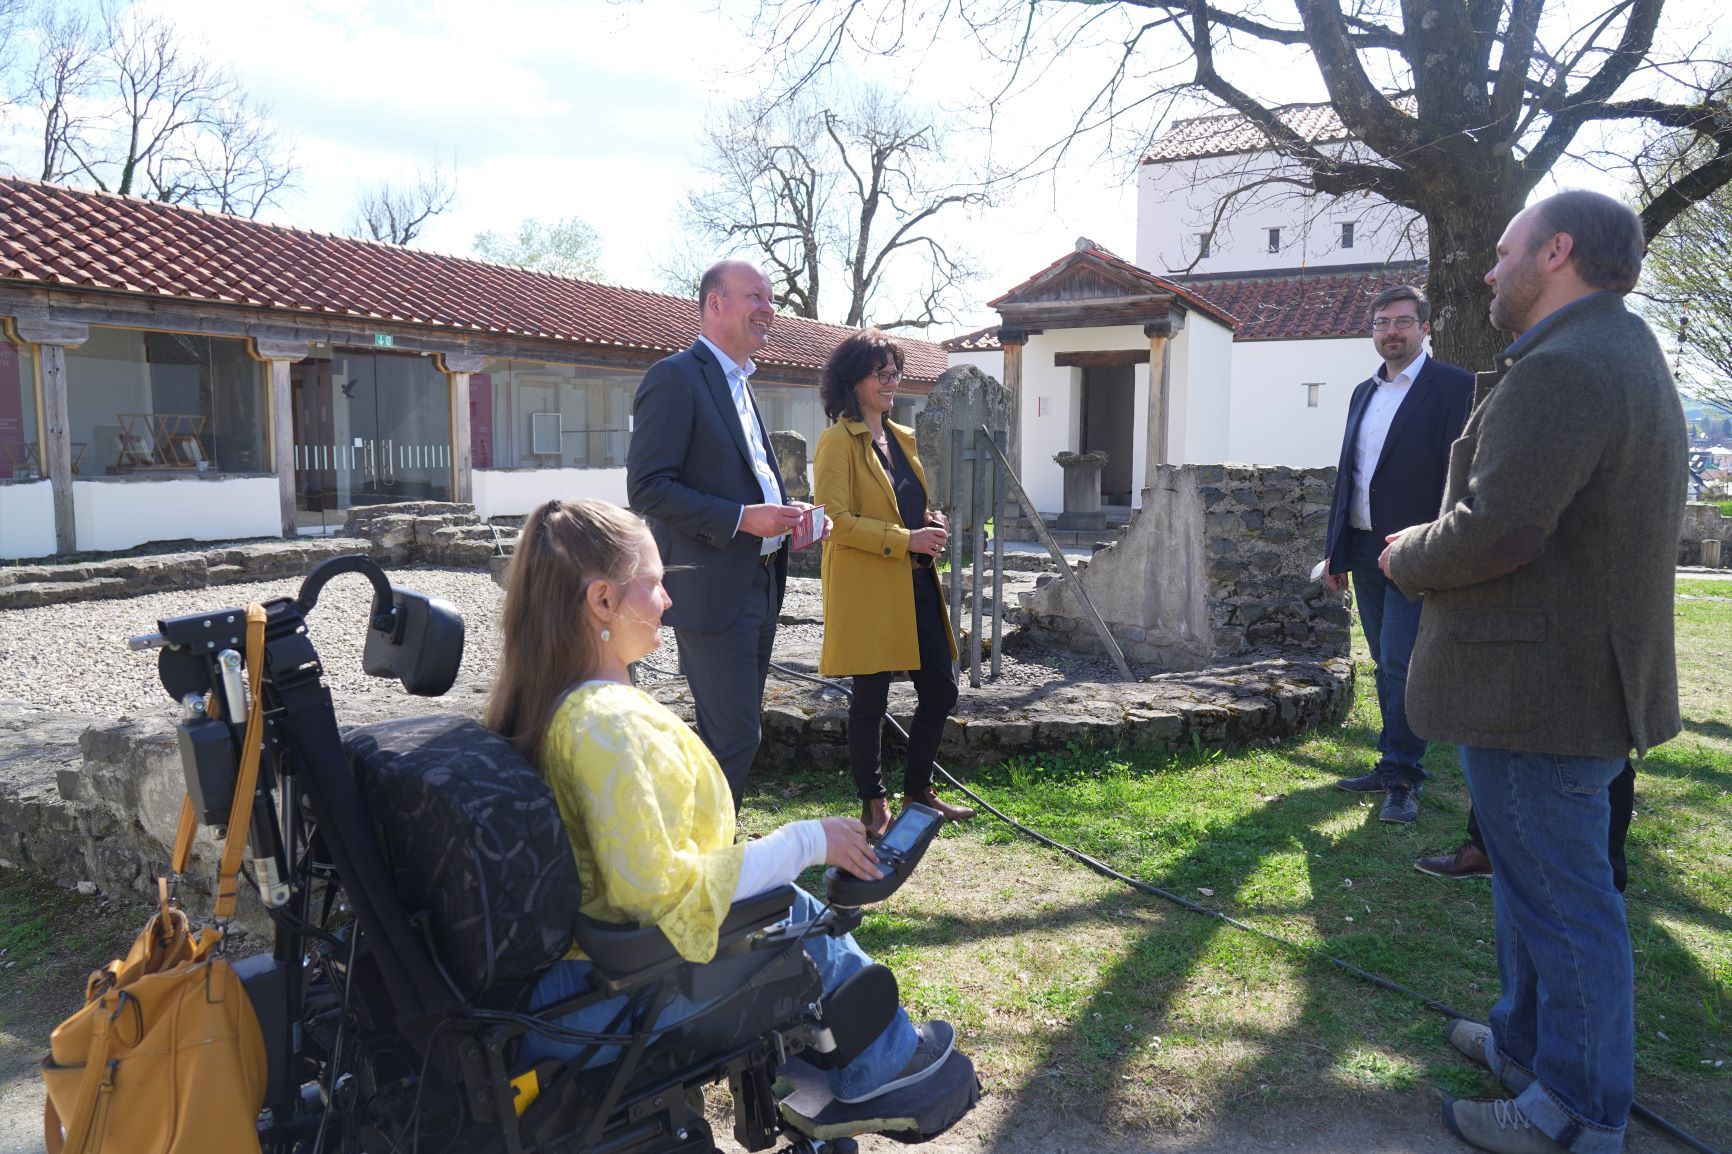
column 899, row 851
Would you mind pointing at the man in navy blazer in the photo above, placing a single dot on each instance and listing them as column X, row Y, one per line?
column 701, row 472
column 1394, row 460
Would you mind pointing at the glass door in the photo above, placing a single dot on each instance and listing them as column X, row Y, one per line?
column 369, row 429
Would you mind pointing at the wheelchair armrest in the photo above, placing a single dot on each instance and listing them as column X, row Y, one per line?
column 619, row 950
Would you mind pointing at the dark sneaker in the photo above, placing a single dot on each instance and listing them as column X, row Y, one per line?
column 1400, row 804
column 933, row 1044
column 1365, row 783
column 1496, row 1125
column 1474, row 1040
column 1467, row 862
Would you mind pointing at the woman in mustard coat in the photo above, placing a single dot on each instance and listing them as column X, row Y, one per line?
column 883, row 606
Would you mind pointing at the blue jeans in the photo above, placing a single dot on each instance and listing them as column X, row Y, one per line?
column 1391, row 622
column 837, row 959
column 1566, row 1012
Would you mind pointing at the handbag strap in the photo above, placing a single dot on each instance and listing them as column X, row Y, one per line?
column 89, row 1089
column 235, row 844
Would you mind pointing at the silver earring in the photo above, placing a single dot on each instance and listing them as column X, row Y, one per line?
column 606, row 633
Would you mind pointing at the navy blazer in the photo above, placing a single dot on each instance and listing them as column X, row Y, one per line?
column 689, row 473
column 1407, row 484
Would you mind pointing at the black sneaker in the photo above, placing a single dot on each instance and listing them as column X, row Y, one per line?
column 1365, row 783
column 933, row 1042
column 1400, row 804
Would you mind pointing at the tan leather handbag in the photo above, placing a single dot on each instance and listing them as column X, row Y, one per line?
column 166, row 1056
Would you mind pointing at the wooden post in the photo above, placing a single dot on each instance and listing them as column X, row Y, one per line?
column 459, row 366
column 52, row 338
column 278, row 355
column 1011, row 341
column 1158, row 438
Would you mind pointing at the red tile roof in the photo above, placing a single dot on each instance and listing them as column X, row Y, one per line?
column 1228, row 133
column 1298, row 304
column 53, row 235
column 979, row 341
column 1087, row 251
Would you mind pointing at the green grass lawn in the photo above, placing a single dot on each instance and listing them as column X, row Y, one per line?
column 1077, row 994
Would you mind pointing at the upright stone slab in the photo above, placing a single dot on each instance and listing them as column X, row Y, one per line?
column 964, row 398
column 790, row 450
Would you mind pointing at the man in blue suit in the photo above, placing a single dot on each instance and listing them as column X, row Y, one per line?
column 1394, row 460
column 701, row 472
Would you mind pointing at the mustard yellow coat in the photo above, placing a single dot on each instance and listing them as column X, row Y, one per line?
column 868, row 597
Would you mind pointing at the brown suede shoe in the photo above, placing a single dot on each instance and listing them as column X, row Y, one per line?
column 875, row 816
column 950, row 812
column 1467, row 862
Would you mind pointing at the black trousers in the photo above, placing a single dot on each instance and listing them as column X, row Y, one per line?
column 1622, row 795
column 935, row 687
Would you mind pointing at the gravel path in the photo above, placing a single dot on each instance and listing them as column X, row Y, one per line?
column 73, row 657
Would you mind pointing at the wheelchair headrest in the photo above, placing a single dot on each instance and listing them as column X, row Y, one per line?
column 474, row 839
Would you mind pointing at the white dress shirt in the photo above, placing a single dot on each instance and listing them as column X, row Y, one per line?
column 1374, row 425
column 747, row 411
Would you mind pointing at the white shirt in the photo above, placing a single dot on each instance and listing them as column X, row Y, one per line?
column 1373, row 431
column 747, row 411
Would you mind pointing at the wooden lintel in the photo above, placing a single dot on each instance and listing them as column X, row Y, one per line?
column 1103, row 359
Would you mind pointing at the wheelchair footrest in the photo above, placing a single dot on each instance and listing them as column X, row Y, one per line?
column 921, row 1111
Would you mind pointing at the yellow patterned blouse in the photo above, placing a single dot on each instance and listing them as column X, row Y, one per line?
column 649, row 814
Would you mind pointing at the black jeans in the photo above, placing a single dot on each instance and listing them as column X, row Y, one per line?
column 1622, row 794
column 936, row 689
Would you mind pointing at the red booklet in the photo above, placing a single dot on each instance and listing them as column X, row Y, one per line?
column 810, row 528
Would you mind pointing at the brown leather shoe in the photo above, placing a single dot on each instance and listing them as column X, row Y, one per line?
column 875, row 816
column 1467, row 862
column 950, row 812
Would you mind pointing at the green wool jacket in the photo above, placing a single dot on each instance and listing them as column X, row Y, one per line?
column 1548, row 573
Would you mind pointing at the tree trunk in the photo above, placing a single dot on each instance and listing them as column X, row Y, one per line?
column 1463, row 236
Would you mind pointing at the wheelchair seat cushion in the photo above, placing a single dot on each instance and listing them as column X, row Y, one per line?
column 475, row 840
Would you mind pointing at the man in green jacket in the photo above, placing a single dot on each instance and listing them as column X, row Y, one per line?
column 1545, row 654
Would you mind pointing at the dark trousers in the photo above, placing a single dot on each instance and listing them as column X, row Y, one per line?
column 1391, row 624
column 1622, row 795
column 726, row 670
column 935, row 687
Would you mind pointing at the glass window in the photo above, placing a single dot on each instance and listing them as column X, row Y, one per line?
column 1274, row 240
column 1346, row 234
column 20, row 439
column 164, row 404
column 529, row 414
column 795, row 407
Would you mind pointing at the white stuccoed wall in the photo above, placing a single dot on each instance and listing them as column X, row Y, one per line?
column 1059, row 430
column 514, row 492
column 121, row 514
column 991, row 363
column 1271, row 424
column 1176, row 200
column 26, row 520
column 1199, row 430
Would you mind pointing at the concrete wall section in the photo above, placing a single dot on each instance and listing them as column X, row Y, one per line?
column 1271, row 421
column 121, row 514
column 1202, row 393
column 514, row 492
column 26, row 520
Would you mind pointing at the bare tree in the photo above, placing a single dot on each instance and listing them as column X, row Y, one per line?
column 396, row 213
column 568, row 247
column 1464, row 108
column 126, row 106
column 810, row 189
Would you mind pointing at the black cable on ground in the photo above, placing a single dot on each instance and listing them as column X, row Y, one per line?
column 1636, row 1109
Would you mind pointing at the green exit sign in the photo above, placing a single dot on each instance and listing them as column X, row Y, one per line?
column 383, row 340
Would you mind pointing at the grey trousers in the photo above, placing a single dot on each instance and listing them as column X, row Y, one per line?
column 726, row 670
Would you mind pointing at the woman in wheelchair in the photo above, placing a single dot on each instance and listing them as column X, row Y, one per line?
column 650, row 816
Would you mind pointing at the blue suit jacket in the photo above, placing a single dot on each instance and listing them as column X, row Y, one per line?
column 689, row 473
column 1407, row 484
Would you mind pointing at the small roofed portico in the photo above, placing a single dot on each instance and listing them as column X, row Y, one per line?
column 1103, row 357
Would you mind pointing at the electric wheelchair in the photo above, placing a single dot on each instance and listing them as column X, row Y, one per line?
column 419, row 880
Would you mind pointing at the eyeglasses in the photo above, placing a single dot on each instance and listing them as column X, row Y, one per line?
column 888, row 376
column 1400, row 324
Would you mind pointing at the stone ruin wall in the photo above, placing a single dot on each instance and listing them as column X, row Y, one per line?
column 1216, row 562
column 1703, row 521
